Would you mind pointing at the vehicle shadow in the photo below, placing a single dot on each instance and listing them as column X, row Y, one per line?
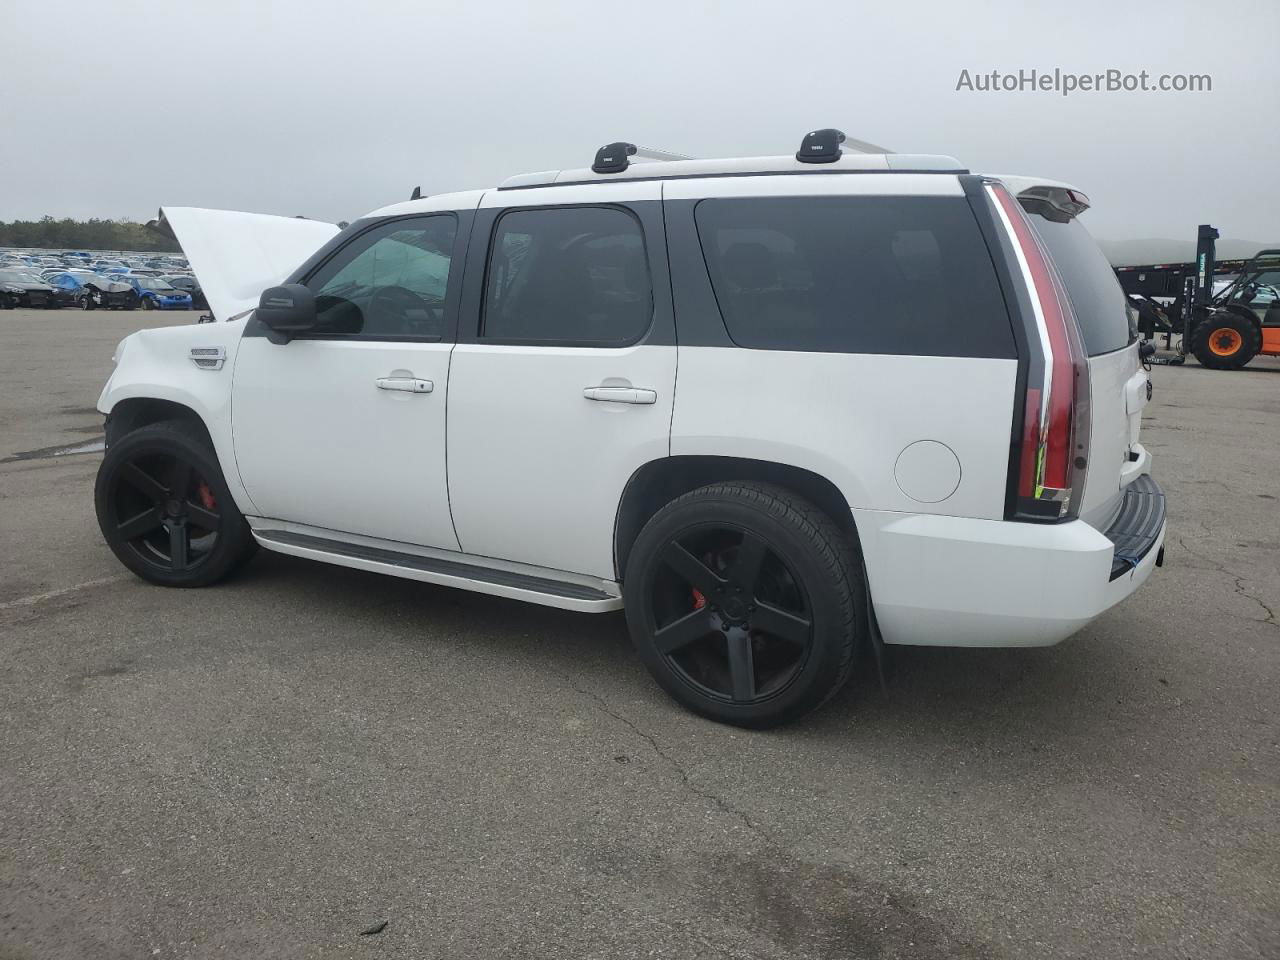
column 955, row 697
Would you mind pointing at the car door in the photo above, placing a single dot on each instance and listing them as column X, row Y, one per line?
column 343, row 428
column 563, row 378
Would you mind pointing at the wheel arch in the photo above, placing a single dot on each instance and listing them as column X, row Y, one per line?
column 658, row 482
column 131, row 413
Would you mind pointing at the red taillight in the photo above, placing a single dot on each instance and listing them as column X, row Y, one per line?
column 1055, row 432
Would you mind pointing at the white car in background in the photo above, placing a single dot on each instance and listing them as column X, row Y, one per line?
column 780, row 409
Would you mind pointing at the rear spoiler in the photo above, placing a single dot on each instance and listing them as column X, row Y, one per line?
column 1057, row 201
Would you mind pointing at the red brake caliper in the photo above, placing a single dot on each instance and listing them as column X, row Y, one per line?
column 699, row 601
column 206, row 496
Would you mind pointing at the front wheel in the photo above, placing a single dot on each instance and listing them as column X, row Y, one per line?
column 165, row 509
column 86, row 302
column 746, row 603
column 148, row 303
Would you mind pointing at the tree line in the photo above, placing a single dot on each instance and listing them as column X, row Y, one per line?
column 48, row 233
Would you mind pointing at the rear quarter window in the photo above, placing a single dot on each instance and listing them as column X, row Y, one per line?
column 1097, row 300
column 886, row 275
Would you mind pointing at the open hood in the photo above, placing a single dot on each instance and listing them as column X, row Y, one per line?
column 235, row 256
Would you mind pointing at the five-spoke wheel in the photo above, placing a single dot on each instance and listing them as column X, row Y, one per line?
column 731, row 617
column 745, row 602
column 164, row 507
column 165, row 511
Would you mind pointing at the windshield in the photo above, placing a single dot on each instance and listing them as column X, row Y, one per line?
column 151, row 283
column 1096, row 298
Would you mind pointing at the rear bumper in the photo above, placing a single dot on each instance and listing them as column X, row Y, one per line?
column 959, row 582
column 1138, row 527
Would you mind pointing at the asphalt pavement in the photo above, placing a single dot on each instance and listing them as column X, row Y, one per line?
column 270, row 767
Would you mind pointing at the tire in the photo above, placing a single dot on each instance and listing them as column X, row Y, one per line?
column 86, row 302
column 703, row 614
column 190, row 540
column 1226, row 341
column 147, row 304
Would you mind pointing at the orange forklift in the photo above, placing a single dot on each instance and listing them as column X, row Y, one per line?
column 1223, row 329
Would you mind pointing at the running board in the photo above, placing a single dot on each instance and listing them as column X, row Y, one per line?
column 446, row 572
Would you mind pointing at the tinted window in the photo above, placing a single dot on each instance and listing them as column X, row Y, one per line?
column 568, row 274
column 1096, row 298
column 388, row 282
column 901, row 275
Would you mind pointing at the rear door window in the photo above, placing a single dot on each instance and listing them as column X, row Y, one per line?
column 885, row 275
column 568, row 275
column 1096, row 297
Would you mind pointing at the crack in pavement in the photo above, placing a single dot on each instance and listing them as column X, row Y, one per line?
column 1269, row 619
column 719, row 802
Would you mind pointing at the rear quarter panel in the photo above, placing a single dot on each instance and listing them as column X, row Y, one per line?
column 848, row 417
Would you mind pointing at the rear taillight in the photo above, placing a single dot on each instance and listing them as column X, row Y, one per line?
column 1055, row 435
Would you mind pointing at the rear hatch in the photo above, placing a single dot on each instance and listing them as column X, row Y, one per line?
column 1118, row 384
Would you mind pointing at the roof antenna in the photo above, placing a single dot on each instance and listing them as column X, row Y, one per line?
column 417, row 194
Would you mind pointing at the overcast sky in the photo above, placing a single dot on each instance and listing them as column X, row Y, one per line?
column 330, row 109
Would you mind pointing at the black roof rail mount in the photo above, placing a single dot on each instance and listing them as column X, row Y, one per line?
column 821, row 146
column 613, row 157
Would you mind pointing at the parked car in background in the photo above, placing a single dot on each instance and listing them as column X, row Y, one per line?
column 157, row 294
column 192, row 286
column 88, row 291
column 23, row 288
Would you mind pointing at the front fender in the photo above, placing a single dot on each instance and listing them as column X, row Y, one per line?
column 158, row 365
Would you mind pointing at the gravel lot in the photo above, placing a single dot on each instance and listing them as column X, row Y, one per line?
column 269, row 767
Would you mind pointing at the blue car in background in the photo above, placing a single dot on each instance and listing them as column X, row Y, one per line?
column 157, row 294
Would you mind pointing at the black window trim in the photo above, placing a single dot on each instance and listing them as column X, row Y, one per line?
column 585, row 344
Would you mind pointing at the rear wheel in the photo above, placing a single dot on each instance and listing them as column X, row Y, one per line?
column 1226, row 341
column 165, row 510
column 745, row 602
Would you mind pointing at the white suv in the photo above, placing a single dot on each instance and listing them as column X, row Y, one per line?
column 780, row 409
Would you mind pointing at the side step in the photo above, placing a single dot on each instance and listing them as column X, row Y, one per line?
column 447, row 572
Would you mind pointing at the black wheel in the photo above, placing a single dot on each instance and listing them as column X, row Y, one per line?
column 165, row 509
column 745, row 602
column 1226, row 341
column 86, row 302
column 148, row 303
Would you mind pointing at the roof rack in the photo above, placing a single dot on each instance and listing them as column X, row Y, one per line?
column 616, row 157
column 845, row 154
column 818, row 146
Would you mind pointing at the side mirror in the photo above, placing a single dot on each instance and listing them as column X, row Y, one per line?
column 287, row 311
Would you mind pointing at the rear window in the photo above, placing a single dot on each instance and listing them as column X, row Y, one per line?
column 1096, row 298
column 895, row 275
